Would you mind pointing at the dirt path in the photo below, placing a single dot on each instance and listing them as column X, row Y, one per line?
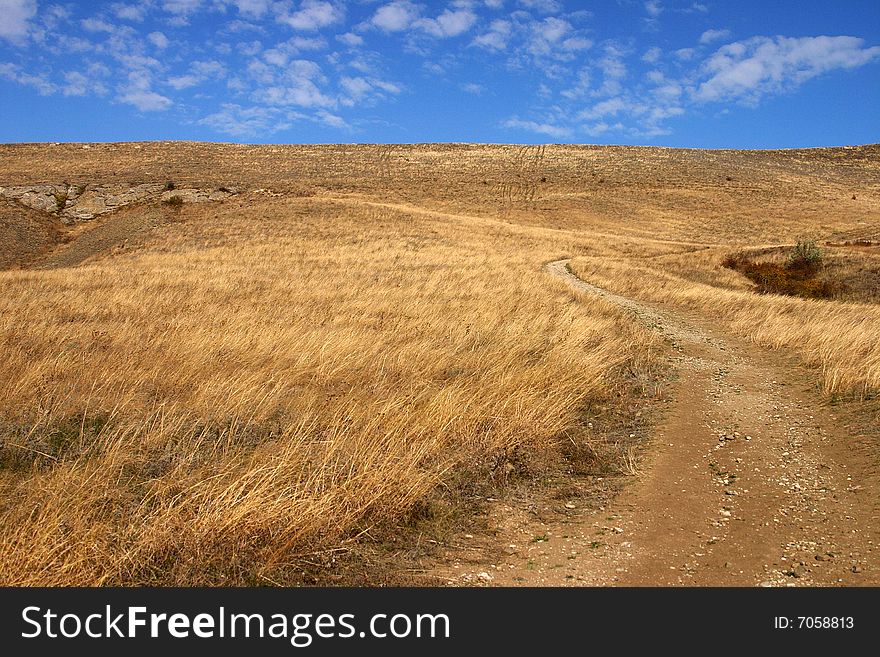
column 751, row 479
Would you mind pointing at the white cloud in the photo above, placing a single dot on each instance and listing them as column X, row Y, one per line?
column 576, row 43
column 548, row 129
column 543, row 6
column 312, row 15
column 395, row 16
column 350, row 39
column 449, row 23
column 473, row 88
column 297, row 86
column 252, row 8
column 332, row 120
column 600, row 128
column 183, row 81
column 547, row 34
column 552, row 29
column 283, row 52
column 748, row 70
column 241, row 121
column 181, row 7
column 126, row 12
column 302, row 93
column 199, row 72
column 581, row 86
column 78, row 84
column 359, row 89
column 14, row 17
column 158, row 39
column 43, row 86
column 665, row 90
column 146, row 101
column 138, row 92
column 652, row 55
column 713, row 35
column 276, row 57
column 686, row 54
column 497, row 36
column 609, row 107
column 654, row 8
column 97, row 25
column 612, row 65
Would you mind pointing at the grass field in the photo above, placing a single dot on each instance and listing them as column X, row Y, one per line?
column 361, row 342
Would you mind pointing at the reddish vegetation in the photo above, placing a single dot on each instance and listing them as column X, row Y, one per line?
column 796, row 278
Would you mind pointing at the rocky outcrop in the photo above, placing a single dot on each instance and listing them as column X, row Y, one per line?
column 83, row 202
column 48, row 198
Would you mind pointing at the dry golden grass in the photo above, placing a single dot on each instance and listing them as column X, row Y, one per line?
column 841, row 339
column 233, row 398
column 254, row 386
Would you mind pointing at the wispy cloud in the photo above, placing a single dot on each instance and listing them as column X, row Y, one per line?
column 312, row 15
column 496, row 37
column 15, row 16
column 710, row 36
column 555, row 131
column 395, row 16
column 654, row 8
column 746, row 71
column 448, row 24
column 253, row 67
column 543, row 6
column 238, row 121
column 38, row 82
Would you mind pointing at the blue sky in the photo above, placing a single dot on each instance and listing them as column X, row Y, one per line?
column 745, row 74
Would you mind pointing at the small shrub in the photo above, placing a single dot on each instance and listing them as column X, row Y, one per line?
column 796, row 278
column 805, row 259
column 169, row 186
column 60, row 200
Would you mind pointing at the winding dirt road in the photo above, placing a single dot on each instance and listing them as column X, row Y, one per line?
column 751, row 479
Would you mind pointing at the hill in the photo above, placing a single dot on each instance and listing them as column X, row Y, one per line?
column 225, row 364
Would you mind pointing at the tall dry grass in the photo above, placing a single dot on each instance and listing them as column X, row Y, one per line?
column 841, row 339
column 264, row 384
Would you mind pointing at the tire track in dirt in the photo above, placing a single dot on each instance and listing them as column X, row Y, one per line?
column 750, row 479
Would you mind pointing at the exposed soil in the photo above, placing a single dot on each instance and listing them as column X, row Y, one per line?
column 99, row 237
column 753, row 478
column 26, row 234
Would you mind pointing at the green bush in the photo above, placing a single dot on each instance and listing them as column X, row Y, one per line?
column 797, row 278
column 805, row 258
